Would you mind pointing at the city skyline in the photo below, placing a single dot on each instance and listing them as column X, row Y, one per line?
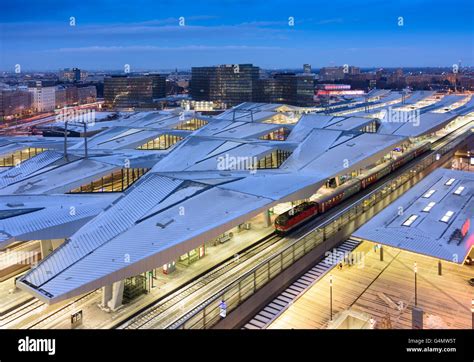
column 103, row 35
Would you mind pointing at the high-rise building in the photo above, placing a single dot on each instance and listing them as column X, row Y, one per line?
column 288, row 88
column 44, row 99
column 226, row 84
column 270, row 90
column 158, row 85
column 307, row 68
column 133, row 91
column 127, row 91
column 72, row 75
column 337, row 73
column 305, row 89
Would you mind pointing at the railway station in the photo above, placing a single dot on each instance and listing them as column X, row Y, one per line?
column 425, row 234
column 129, row 211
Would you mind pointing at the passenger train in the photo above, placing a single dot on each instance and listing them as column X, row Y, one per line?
column 305, row 211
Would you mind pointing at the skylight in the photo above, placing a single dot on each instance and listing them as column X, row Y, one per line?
column 447, row 216
column 450, row 181
column 410, row 220
column 459, row 190
column 429, row 206
column 429, row 193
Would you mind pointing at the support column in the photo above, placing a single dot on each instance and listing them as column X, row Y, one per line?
column 106, row 295
column 117, row 295
column 46, row 248
column 267, row 219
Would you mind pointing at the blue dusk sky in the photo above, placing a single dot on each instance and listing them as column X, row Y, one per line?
column 147, row 34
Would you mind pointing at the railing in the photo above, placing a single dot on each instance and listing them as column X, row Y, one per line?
column 207, row 314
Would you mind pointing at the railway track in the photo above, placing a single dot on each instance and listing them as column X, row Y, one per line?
column 168, row 307
column 171, row 308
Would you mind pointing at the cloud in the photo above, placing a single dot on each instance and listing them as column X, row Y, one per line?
column 159, row 48
column 329, row 21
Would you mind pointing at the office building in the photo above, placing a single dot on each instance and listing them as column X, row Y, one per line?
column 44, row 99
column 128, row 91
column 72, row 75
column 226, row 84
column 14, row 103
column 336, row 73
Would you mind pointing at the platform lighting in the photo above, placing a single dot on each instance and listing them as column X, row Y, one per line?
column 415, row 268
column 330, row 295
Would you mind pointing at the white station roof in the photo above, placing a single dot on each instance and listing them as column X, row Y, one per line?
column 430, row 218
column 128, row 233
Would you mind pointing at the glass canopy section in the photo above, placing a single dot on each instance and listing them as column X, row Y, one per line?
column 162, row 142
column 280, row 134
column 117, row 181
column 191, row 125
column 19, row 156
column 273, row 160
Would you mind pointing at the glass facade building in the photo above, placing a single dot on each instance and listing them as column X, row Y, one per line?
column 225, row 84
column 133, row 91
column 288, row 88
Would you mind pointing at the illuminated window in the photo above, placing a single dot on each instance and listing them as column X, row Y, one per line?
column 162, row 142
column 459, row 190
column 450, row 181
column 273, row 160
column 410, row 220
column 280, row 134
column 429, row 193
column 117, row 181
column 191, row 124
column 18, row 157
column 447, row 216
column 429, row 206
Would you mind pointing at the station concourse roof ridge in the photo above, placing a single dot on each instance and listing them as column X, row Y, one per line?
column 124, row 234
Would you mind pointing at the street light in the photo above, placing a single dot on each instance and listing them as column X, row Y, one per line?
column 416, row 294
column 330, row 295
column 472, row 312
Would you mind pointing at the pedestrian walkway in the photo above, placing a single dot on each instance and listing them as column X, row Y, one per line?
column 385, row 291
column 273, row 309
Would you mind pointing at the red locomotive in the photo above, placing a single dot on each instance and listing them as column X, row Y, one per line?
column 304, row 212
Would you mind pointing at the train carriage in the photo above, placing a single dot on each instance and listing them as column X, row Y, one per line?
column 351, row 187
column 375, row 174
column 307, row 210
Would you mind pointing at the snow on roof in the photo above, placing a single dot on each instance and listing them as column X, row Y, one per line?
column 438, row 215
column 417, row 125
column 142, row 228
column 45, row 217
column 60, row 179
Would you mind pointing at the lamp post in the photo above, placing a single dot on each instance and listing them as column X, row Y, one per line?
column 330, row 296
column 472, row 312
column 65, row 141
column 416, row 294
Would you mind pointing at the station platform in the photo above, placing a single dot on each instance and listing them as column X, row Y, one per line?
column 95, row 317
column 10, row 296
column 385, row 291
